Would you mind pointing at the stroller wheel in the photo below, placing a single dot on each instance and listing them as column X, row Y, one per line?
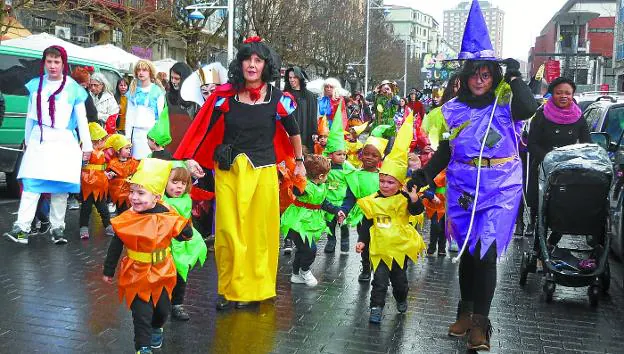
column 524, row 268
column 549, row 290
column 593, row 292
column 605, row 279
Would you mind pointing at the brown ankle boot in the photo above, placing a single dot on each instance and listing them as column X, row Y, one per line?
column 461, row 326
column 480, row 333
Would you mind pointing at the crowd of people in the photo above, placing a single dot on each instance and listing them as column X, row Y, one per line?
column 254, row 163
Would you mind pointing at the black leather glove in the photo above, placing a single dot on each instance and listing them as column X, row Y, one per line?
column 419, row 180
column 512, row 69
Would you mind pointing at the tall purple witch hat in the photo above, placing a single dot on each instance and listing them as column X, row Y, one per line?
column 476, row 44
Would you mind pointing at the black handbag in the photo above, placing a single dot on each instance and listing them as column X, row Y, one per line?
column 223, row 156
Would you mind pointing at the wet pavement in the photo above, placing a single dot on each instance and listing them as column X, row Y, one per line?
column 54, row 301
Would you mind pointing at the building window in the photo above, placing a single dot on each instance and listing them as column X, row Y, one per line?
column 117, row 36
column 40, row 22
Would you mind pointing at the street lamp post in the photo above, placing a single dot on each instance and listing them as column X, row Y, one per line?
column 408, row 43
column 196, row 15
column 368, row 8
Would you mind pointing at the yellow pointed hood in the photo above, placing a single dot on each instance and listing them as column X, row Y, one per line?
column 153, row 175
column 379, row 143
column 395, row 164
column 96, row 131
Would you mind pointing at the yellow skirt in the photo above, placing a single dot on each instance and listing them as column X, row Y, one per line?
column 247, row 231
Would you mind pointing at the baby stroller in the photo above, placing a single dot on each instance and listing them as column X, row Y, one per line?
column 574, row 183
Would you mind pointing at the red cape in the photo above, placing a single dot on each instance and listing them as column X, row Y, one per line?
column 199, row 143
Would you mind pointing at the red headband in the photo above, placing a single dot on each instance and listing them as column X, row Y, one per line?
column 254, row 39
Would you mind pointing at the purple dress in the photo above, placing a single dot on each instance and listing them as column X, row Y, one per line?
column 501, row 186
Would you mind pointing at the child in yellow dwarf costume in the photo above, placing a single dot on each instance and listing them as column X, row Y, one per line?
column 391, row 237
column 148, row 273
column 94, row 184
column 120, row 167
column 354, row 146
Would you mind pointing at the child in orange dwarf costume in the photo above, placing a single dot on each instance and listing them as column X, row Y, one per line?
column 323, row 132
column 94, row 184
column 148, row 273
column 119, row 169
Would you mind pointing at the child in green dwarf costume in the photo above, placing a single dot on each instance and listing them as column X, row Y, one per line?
column 160, row 136
column 336, row 150
column 360, row 184
column 304, row 220
column 185, row 254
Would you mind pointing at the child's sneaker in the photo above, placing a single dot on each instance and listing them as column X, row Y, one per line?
column 402, row 306
column 144, row 350
column 17, row 235
column 84, row 233
column 58, row 236
column 375, row 314
column 179, row 313
column 344, row 248
column 157, row 338
column 308, row 278
column 112, row 208
column 109, row 231
column 73, row 203
column 296, row 278
column 453, row 247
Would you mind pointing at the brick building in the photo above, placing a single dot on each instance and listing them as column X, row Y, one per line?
column 580, row 36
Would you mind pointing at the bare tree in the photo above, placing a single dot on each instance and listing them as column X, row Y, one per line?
column 199, row 35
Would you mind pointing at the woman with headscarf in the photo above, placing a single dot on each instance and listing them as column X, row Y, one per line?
column 307, row 108
column 103, row 98
column 243, row 131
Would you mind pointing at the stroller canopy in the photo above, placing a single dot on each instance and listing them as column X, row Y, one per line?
column 586, row 157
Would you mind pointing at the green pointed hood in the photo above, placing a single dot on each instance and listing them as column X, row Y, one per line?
column 160, row 132
column 335, row 140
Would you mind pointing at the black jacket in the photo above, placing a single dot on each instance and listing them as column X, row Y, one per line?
column 545, row 136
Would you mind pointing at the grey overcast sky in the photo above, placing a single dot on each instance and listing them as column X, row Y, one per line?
column 524, row 19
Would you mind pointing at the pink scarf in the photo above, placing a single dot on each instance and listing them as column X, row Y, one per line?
column 559, row 115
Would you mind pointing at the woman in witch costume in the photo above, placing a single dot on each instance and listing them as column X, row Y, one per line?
column 246, row 127
column 307, row 108
column 484, row 176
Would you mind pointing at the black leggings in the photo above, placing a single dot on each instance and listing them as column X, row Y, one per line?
column 366, row 263
column 477, row 278
column 87, row 206
column 305, row 253
column 146, row 317
column 381, row 280
column 177, row 295
column 344, row 231
column 436, row 235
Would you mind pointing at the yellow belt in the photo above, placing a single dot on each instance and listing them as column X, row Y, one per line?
column 146, row 257
column 490, row 162
column 94, row 167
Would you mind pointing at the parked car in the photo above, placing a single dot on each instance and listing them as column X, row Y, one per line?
column 605, row 119
column 17, row 67
column 584, row 99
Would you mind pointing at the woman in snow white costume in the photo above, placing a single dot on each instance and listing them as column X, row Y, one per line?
column 243, row 130
column 53, row 157
column 484, row 176
column 146, row 100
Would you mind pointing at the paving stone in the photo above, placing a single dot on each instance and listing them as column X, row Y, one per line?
column 53, row 301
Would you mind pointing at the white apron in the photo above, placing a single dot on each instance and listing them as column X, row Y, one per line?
column 57, row 158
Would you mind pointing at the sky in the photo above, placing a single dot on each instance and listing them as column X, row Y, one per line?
column 524, row 19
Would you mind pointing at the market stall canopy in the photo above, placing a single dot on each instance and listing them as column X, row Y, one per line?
column 114, row 56
column 43, row 40
column 164, row 65
column 14, row 29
